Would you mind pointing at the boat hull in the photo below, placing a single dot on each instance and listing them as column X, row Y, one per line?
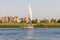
column 28, row 27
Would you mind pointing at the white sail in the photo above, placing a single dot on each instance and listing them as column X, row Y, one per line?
column 30, row 12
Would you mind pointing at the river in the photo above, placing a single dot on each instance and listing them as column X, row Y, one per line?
column 30, row 34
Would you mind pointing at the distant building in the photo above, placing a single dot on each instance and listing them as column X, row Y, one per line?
column 5, row 19
column 10, row 19
column 15, row 18
column 26, row 19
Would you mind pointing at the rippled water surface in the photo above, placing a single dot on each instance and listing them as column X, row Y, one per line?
column 30, row 34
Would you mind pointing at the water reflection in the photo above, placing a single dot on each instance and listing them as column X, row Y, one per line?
column 30, row 34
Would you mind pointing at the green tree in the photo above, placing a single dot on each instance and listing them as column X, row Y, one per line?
column 53, row 20
column 44, row 21
column 35, row 21
column 58, row 21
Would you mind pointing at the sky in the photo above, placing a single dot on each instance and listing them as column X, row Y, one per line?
column 40, row 8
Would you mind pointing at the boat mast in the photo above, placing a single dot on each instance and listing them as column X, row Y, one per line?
column 30, row 14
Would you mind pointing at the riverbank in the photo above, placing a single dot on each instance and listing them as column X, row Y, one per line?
column 47, row 25
column 36, row 25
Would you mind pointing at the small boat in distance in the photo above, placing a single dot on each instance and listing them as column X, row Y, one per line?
column 30, row 18
column 28, row 27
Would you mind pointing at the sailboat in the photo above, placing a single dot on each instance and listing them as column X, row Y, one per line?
column 30, row 18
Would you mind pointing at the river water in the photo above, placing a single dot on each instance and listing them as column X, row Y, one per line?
column 30, row 34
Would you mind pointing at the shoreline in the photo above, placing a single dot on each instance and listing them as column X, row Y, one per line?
column 40, row 25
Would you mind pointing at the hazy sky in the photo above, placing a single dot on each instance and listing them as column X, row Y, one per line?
column 40, row 8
